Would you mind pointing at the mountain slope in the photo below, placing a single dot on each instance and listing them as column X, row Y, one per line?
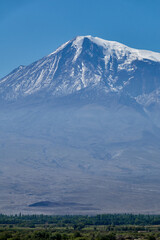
column 80, row 127
column 85, row 63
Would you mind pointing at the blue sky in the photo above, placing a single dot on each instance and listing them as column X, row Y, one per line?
column 31, row 29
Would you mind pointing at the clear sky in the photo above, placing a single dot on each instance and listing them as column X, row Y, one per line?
column 31, row 29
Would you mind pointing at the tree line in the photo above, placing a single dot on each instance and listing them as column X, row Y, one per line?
column 81, row 221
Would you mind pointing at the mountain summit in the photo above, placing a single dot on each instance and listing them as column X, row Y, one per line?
column 87, row 62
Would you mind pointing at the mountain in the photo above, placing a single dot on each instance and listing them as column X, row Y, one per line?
column 80, row 131
column 88, row 63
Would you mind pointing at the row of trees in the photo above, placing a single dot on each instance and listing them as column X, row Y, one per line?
column 75, row 221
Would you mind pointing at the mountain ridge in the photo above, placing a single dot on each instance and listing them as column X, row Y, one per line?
column 86, row 62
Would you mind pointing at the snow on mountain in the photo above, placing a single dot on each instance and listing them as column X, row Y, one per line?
column 99, row 145
column 121, row 50
column 86, row 62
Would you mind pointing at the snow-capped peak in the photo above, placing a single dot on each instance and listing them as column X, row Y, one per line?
column 86, row 62
column 110, row 47
column 118, row 48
